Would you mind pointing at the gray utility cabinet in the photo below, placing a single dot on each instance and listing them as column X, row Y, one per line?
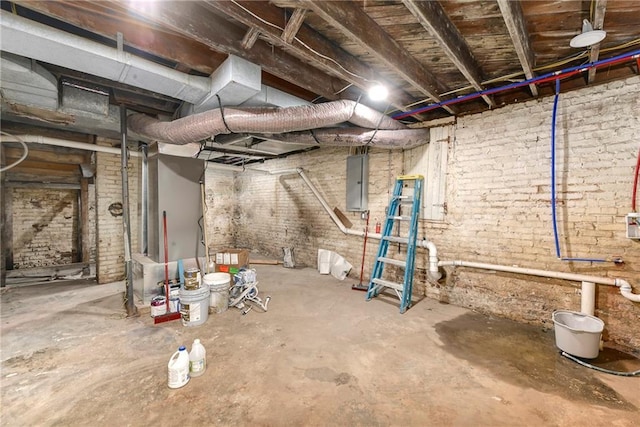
column 357, row 183
column 174, row 186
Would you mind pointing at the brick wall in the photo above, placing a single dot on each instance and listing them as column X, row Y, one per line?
column 220, row 208
column 498, row 201
column 45, row 227
column 108, row 191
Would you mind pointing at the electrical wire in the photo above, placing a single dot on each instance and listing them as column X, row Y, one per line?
column 509, row 77
column 25, row 152
column 306, row 46
column 598, row 368
column 567, row 72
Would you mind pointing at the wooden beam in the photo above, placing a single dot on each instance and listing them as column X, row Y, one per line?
column 43, row 156
column 98, row 18
column 43, row 185
column 293, row 25
column 36, row 176
column 307, row 44
column 250, row 38
column 351, row 20
column 194, row 20
column 434, row 19
column 598, row 22
column 514, row 20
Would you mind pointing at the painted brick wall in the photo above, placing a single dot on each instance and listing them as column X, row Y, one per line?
column 500, row 210
column 220, row 209
column 498, row 200
column 108, row 190
column 45, row 227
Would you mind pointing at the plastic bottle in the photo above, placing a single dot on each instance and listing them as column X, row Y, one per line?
column 179, row 368
column 197, row 359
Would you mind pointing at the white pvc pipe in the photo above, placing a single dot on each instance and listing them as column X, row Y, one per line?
column 433, row 272
column 588, row 298
column 532, row 272
column 625, row 288
column 37, row 139
column 627, row 291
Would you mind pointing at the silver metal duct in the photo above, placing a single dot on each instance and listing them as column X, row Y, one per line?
column 392, row 139
column 264, row 120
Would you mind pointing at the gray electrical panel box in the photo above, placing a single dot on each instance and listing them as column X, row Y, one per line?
column 357, row 183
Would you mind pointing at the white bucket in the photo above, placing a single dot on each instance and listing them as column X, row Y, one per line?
column 218, row 284
column 578, row 334
column 194, row 306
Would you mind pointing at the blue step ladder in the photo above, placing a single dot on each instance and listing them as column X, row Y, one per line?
column 395, row 217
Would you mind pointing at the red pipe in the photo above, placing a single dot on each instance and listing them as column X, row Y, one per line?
column 364, row 249
column 634, row 196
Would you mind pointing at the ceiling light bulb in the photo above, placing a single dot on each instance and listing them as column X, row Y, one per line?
column 378, row 93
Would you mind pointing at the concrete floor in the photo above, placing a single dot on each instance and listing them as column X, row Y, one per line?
column 321, row 355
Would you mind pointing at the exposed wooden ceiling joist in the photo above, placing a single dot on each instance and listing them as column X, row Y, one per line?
column 351, row 20
column 434, row 19
column 293, row 25
column 514, row 19
column 194, row 20
column 250, row 38
column 306, row 44
column 598, row 22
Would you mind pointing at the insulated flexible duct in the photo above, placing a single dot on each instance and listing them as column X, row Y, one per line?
column 355, row 136
column 261, row 120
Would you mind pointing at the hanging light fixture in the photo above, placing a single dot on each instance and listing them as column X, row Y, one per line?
column 588, row 37
column 378, row 92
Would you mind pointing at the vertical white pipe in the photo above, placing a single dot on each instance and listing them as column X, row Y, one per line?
column 588, row 300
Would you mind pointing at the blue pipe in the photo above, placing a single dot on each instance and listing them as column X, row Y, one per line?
column 554, row 115
column 491, row 91
column 553, row 183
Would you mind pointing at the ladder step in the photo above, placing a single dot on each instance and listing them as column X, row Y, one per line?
column 388, row 284
column 400, row 218
column 392, row 261
column 396, row 239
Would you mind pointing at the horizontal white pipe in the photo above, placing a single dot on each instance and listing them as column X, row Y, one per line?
column 532, row 272
column 37, row 139
column 625, row 288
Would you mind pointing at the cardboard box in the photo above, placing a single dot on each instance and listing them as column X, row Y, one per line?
column 231, row 260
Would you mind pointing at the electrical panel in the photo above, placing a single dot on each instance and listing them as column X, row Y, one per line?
column 633, row 225
column 357, row 183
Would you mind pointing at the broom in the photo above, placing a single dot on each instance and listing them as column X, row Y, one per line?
column 167, row 317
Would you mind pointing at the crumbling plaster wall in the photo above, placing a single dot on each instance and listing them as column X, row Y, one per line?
column 498, row 206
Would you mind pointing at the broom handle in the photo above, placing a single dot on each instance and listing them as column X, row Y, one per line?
column 166, row 260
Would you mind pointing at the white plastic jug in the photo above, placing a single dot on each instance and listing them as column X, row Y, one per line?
column 179, row 368
column 197, row 359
